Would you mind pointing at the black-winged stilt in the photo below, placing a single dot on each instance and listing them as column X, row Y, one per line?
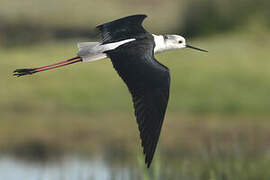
column 131, row 49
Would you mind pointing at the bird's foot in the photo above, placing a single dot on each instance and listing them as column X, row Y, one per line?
column 22, row 72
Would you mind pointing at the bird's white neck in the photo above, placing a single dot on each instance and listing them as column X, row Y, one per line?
column 160, row 45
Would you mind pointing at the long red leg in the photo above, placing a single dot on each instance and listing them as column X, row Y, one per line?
column 28, row 71
column 61, row 62
column 60, row 65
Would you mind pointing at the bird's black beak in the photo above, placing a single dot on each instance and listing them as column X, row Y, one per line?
column 192, row 47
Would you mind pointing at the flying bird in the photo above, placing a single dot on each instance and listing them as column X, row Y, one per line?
column 131, row 50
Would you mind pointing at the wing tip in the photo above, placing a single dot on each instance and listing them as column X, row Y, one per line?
column 149, row 155
column 148, row 160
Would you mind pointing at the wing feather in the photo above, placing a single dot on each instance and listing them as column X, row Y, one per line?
column 121, row 29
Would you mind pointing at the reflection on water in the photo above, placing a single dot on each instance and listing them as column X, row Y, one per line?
column 69, row 167
column 216, row 162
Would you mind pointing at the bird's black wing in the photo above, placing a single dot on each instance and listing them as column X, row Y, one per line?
column 148, row 82
column 121, row 29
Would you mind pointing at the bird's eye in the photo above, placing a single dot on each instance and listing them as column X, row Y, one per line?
column 180, row 42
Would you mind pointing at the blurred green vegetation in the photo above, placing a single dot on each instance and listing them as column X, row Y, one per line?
column 207, row 17
column 26, row 22
column 233, row 78
column 217, row 123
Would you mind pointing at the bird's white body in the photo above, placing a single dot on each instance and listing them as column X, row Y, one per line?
column 93, row 51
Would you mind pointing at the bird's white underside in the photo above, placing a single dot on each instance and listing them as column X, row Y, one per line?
column 93, row 51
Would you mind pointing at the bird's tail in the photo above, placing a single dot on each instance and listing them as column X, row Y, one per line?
column 90, row 51
column 29, row 71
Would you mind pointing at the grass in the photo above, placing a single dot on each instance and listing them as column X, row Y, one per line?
column 231, row 79
column 85, row 14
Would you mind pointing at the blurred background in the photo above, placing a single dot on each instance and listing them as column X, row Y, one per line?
column 77, row 122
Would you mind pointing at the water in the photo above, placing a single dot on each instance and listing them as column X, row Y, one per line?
column 68, row 167
column 212, row 164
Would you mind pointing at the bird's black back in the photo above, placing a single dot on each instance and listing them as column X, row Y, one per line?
column 121, row 29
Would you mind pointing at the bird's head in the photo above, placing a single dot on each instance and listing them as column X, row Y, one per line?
column 177, row 42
